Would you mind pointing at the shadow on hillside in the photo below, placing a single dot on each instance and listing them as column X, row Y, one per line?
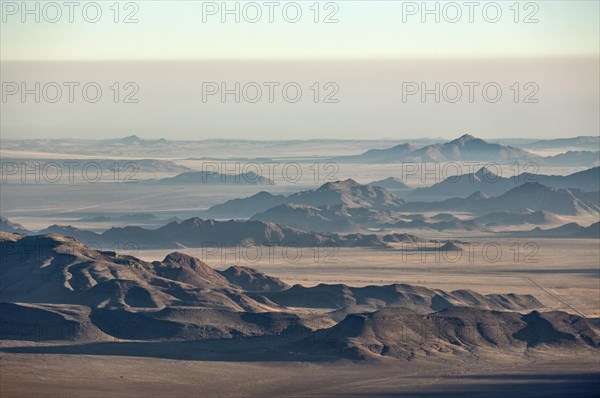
column 227, row 350
column 505, row 385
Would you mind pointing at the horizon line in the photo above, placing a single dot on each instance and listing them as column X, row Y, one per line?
column 313, row 59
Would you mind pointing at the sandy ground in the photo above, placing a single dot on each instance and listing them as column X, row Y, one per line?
column 32, row 375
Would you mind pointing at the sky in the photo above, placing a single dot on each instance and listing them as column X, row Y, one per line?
column 368, row 52
column 364, row 29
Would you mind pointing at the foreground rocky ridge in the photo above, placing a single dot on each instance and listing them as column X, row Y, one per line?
column 54, row 288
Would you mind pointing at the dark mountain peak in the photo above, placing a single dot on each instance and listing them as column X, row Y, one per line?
column 532, row 186
column 195, row 221
column 450, row 246
column 338, row 185
column 478, row 196
column 463, row 139
column 534, row 190
column 37, row 248
column 392, row 179
column 292, row 205
column 211, row 177
column 130, row 139
column 570, row 226
column 486, row 174
column 249, row 279
column 11, row 227
column 263, row 194
column 51, row 239
column 389, row 183
column 187, row 269
column 404, row 147
column 181, row 258
column 57, row 226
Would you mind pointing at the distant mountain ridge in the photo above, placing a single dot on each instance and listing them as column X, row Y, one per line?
column 214, row 178
column 12, row 227
column 390, row 183
column 348, row 193
column 196, row 232
column 464, row 148
column 581, row 142
column 570, row 230
column 538, row 217
column 211, row 234
column 200, row 233
column 530, row 203
column 468, row 148
column 343, row 219
column 571, row 159
column 528, row 196
column 486, row 181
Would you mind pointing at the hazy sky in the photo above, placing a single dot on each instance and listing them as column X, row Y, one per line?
column 365, row 29
column 549, row 49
